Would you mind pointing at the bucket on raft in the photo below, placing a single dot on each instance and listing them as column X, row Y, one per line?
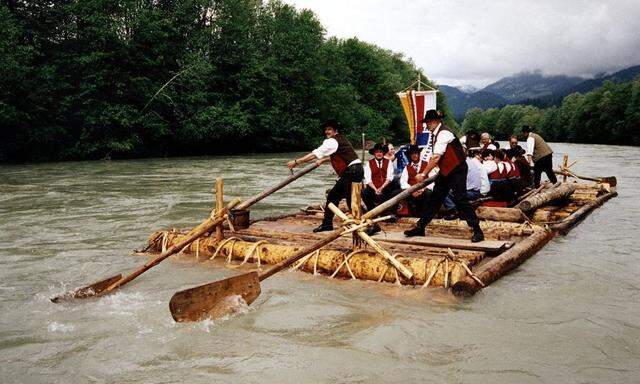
column 239, row 218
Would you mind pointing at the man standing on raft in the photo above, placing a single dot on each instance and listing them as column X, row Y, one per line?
column 449, row 156
column 345, row 162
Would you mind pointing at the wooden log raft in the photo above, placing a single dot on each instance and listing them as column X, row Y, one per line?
column 511, row 215
column 361, row 264
column 500, row 265
column 546, row 196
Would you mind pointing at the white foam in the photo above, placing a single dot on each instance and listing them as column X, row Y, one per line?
column 57, row 327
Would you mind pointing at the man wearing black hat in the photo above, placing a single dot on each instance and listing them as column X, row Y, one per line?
column 337, row 149
column 541, row 154
column 378, row 176
column 449, row 156
column 418, row 200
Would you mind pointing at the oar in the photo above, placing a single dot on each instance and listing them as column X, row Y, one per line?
column 216, row 299
column 611, row 180
column 114, row 282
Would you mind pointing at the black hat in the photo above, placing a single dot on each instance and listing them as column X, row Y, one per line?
column 432, row 114
column 379, row 147
column 413, row 149
column 526, row 128
column 331, row 123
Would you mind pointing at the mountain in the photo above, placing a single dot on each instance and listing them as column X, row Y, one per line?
column 531, row 85
column 626, row 74
column 459, row 102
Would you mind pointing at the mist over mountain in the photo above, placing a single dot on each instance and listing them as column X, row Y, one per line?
column 533, row 88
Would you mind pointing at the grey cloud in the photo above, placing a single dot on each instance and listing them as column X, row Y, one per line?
column 476, row 42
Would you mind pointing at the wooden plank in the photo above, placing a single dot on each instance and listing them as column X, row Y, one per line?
column 433, row 241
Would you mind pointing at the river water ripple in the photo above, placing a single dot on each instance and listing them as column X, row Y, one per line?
column 569, row 314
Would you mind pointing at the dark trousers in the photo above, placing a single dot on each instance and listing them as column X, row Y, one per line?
column 342, row 190
column 371, row 200
column 417, row 205
column 456, row 182
column 544, row 164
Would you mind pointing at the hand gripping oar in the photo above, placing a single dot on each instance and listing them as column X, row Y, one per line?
column 215, row 299
column 116, row 281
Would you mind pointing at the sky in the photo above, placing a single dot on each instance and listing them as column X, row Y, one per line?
column 474, row 43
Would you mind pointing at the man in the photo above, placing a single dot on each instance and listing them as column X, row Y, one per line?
column 539, row 152
column 378, row 177
column 474, row 185
column 487, row 143
column 448, row 155
column 418, row 200
column 344, row 160
column 471, row 139
column 514, row 148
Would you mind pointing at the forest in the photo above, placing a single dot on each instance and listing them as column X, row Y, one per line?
column 609, row 114
column 96, row 79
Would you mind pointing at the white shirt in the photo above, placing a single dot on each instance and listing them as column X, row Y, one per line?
column 329, row 147
column 489, row 166
column 490, row 146
column 531, row 143
column 404, row 177
column 443, row 139
column 367, row 171
column 474, row 172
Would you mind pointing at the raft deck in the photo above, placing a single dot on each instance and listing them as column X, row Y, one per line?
column 444, row 258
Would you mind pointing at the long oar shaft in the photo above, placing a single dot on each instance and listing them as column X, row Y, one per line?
column 398, row 198
column 198, row 231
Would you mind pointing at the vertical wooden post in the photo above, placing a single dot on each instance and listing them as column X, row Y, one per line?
column 565, row 162
column 219, row 205
column 356, row 211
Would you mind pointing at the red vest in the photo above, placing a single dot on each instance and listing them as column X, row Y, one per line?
column 378, row 174
column 453, row 156
column 513, row 173
column 412, row 173
column 344, row 155
column 498, row 175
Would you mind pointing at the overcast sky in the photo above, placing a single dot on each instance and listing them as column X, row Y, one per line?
column 477, row 42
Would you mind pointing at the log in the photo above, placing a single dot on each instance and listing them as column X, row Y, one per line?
column 512, row 215
column 356, row 211
column 502, row 264
column 565, row 225
column 548, row 195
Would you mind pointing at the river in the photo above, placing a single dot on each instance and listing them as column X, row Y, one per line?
column 571, row 313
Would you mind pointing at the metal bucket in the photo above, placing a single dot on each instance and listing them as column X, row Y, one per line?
column 239, row 218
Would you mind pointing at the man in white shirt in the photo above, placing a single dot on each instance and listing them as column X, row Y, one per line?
column 449, row 157
column 378, row 177
column 344, row 160
column 417, row 202
column 539, row 152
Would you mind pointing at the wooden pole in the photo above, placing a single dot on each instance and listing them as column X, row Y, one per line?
column 363, row 142
column 398, row 198
column 219, row 205
column 565, row 162
column 356, row 211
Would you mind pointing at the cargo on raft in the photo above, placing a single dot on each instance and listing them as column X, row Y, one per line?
column 445, row 257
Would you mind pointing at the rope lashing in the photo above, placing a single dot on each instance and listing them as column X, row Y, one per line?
column 222, row 244
column 254, row 248
column 346, row 263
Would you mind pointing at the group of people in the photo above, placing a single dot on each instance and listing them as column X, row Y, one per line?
column 465, row 169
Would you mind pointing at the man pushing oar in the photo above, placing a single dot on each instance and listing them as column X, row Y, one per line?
column 344, row 160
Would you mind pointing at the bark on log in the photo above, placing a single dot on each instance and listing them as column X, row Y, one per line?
column 502, row 264
column 546, row 196
column 512, row 215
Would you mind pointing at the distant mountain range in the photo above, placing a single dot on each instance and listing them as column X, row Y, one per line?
column 528, row 88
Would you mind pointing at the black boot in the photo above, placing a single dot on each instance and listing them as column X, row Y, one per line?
column 323, row 227
column 451, row 215
column 478, row 235
column 372, row 230
column 415, row 231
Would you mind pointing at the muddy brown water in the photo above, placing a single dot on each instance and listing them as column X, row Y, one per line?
column 569, row 314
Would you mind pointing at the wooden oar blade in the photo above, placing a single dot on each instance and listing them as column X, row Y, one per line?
column 88, row 291
column 214, row 300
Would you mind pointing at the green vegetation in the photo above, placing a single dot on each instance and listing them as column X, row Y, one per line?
column 609, row 114
column 78, row 79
